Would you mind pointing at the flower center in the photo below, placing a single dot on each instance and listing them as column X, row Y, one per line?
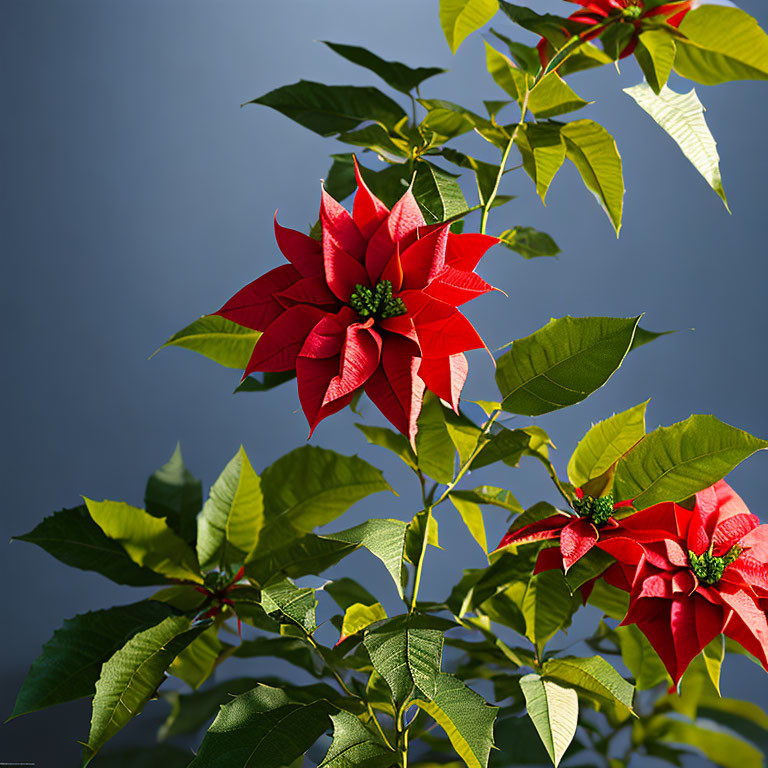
column 377, row 302
column 597, row 510
column 709, row 568
column 633, row 11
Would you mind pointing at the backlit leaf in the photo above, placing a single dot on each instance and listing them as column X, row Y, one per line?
column 655, row 53
column 359, row 616
column 460, row 18
column 554, row 711
column 682, row 117
column 543, row 151
column 391, row 440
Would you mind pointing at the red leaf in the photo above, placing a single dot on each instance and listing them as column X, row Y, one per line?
column 576, row 539
column 445, row 376
column 464, row 251
column 368, row 211
column 304, row 252
column 279, row 346
column 255, row 305
column 455, row 286
column 339, row 227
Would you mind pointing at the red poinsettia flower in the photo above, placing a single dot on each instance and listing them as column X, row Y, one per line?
column 693, row 574
column 596, row 15
column 576, row 533
column 372, row 305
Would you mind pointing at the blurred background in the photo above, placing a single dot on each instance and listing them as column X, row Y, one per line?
column 137, row 195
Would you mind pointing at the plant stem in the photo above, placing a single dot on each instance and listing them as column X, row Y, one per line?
column 378, row 725
column 488, row 204
column 339, row 679
column 402, row 736
column 420, row 562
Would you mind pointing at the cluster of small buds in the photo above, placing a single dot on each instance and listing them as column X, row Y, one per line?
column 378, row 302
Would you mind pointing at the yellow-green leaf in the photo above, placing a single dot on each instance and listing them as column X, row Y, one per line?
column 460, row 18
column 147, row 539
column 359, row 616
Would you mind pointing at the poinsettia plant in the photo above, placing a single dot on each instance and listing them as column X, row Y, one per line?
column 368, row 303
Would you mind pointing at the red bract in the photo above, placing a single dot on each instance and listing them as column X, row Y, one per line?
column 693, row 574
column 577, row 534
column 598, row 15
column 372, row 305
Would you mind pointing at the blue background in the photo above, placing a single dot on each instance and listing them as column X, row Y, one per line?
column 137, row 195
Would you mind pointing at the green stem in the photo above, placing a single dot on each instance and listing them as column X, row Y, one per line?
column 555, row 479
column 402, row 736
column 488, row 204
column 378, row 725
column 420, row 562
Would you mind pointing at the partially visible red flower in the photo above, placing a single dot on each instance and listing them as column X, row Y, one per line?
column 372, row 305
column 576, row 533
column 693, row 574
column 597, row 15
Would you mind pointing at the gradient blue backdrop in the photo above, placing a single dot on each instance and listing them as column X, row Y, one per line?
column 137, row 195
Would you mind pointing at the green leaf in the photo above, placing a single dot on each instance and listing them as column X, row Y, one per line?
column 340, row 180
column 488, row 494
column 448, row 120
column 605, row 443
column 714, row 655
column 673, row 463
column 399, row 76
column 563, row 363
column 719, row 746
column 72, row 537
column 438, row 193
column 548, row 97
column 378, row 139
column 293, row 650
column 131, row 676
column 69, row 664
column 195, row 664
column 268, row 380
column 291, row 603
column 392, row 441
column 435, row 452
column 191, row 711
column 407, row 652
column 345, row 592
column 310, row 554
column 640, row 658
column 554, row 711
column 333, row 109
column 485, row 173
column 263, row 728
column 218, row 339
column 547, row 606
column 465, row 717
column 510, row 445
column 529, row 242
column 232, row 518
column 542, row 148
column 156, row 756
column 175, row 494
column 720, row 44
column 682, row 117
column 655, row 53
column 359, row 616
column 613, row 602
column 384, row 539
column 594, row 153
column 460, row 18
column 472, row 516
column 593, row 675
column 148, row 540
column 310, row 487
column 356, row 745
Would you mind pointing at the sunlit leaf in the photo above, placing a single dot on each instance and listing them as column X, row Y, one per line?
column 655, row 53
column 529, row 242
column 605, row 443
column 130, row 677
column 673, row 463
column 460, row 18
column 563, row 363
column 391, row 440
column 195, row 664
column 354, row 744
column 359, row 616
column 542, row 148
column 148, row 540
